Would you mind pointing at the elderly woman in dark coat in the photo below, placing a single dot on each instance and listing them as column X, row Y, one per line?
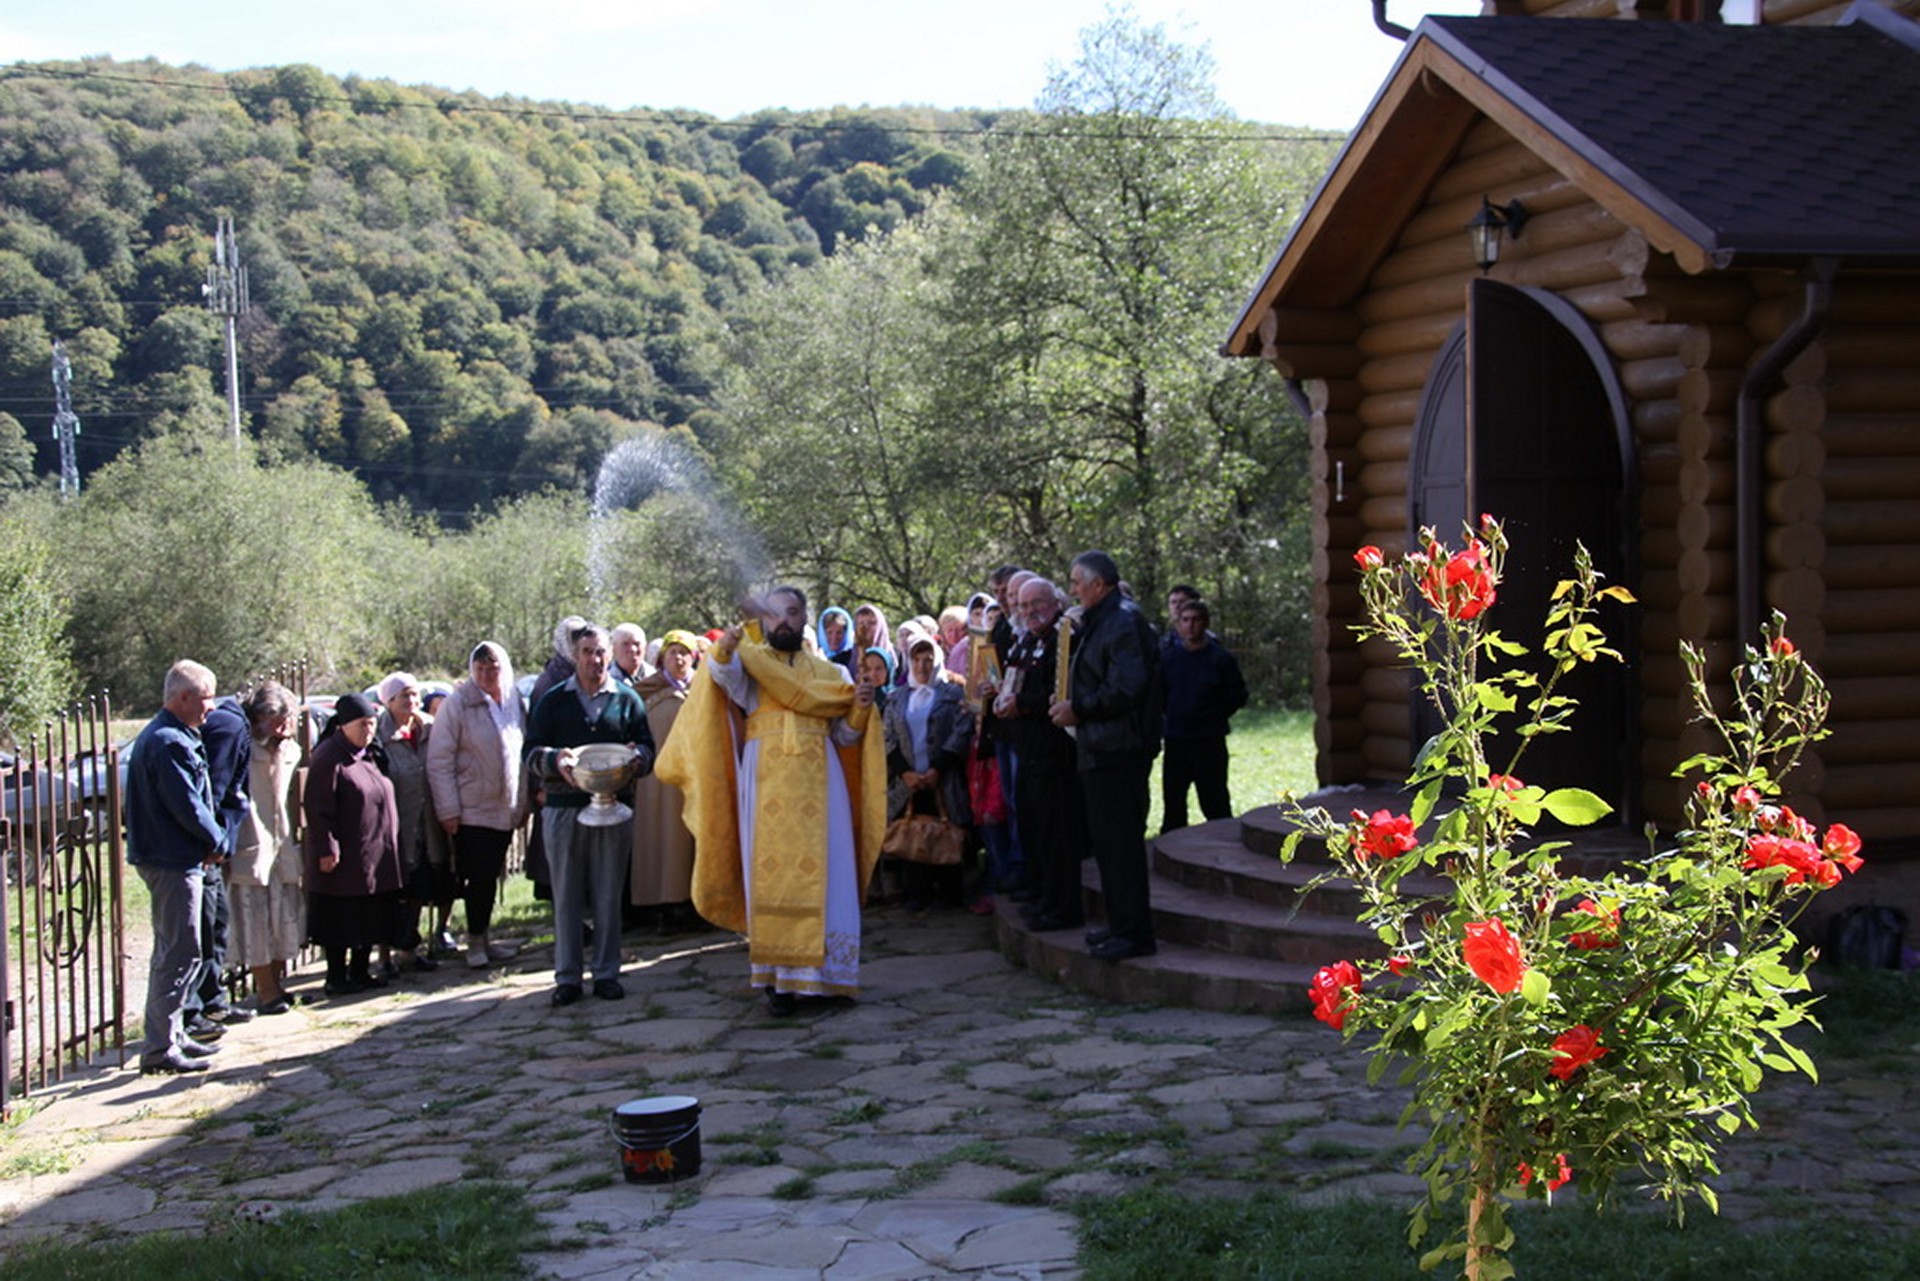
column 929, row 729
column 354, row 877
column 403, row 734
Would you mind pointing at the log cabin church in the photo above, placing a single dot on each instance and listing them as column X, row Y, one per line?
column 1693, row 345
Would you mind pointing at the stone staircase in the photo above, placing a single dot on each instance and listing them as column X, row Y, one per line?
column 1235, row 930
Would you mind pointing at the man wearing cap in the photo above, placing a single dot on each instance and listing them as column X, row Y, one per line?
column 588, row 707
column 785, row 841
column 173, row 834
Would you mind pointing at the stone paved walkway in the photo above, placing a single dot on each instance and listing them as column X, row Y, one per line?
column 933, row 1130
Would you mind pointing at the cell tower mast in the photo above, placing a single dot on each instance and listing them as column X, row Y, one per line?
column 226, row 291
column 65, row 425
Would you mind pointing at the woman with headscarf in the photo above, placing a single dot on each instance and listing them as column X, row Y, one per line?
column 265, row 900
column 953, row 639
column 354, row 876
column 474, row 771
column 403, row 733
column 876, row 669
column 929, row 733
column 834, row 631
column 870, row 629
column 662, row 876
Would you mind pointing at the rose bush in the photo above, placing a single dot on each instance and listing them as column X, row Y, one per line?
column 1589, row 1028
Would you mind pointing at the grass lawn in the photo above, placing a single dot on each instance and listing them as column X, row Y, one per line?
column 472, row 1231
column 1271, row 751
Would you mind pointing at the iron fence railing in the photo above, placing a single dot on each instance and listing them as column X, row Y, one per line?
column 62, row 969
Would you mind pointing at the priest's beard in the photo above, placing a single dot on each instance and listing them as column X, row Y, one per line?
column 785, row 639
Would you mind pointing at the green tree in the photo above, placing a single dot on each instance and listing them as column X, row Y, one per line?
column 16, row 455
column 36, row 674
column 1116, row 233
column 834, row 438
column 188, row 548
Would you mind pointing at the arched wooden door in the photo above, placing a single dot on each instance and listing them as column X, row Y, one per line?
column 1523, row 419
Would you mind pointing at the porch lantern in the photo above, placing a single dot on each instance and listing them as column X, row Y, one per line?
column 1485, row 229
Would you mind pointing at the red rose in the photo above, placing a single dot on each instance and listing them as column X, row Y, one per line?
column 1555, row 1181
column 1573, row 1049
column 1369, row 558
column 1383, row 836
column 1605, row 935
column 1494, row 955
column 1459, row 584
column 1334, row 990
column 1781, row 647
column 1745, row 800
column 1842, row 845
column 1400, row 965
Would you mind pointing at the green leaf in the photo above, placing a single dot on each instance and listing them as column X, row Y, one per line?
column 1575, row 806
column 1493, row 698
column 1728, row 1122
column 1535, row 987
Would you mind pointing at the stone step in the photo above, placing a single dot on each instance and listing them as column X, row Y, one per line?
column 1215, row 858
column 1179, row 974
column 1242, row 927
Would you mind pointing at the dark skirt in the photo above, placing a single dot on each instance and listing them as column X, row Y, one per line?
column 356, row 920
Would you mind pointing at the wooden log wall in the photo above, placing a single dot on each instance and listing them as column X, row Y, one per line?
column 1416, row 295
column 1843, row 562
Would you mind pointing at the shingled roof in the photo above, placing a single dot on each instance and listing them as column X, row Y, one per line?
column 1723, row 144
column 1756, row 140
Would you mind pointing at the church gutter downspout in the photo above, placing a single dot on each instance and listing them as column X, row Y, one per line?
column 1750, row 444
column 1380, row 20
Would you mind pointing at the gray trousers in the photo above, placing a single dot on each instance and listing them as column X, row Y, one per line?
column 586, row 862
column 176, row 965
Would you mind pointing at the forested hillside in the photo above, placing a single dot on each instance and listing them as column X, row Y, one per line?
column 875, row 352
column 460, row 298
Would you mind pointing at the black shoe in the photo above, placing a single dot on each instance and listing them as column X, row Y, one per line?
column 1096, row 937
column 1047, row 922
column 1120, row 949
column 279, row 1005
column 173, row 1063
column 348, row 986
column 197, row 1049
column 368, row 980
column 565, row 994
column 230, row 1014
column 204, row 1029
column 425, row 964
column 608, row 989
column 782, row 1005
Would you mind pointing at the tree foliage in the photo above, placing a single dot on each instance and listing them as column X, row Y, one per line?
column 447, row 287
column 36, row 674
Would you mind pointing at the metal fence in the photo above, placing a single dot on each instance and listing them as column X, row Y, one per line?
column 62, row 969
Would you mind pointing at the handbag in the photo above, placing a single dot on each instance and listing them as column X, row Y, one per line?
column 926, row 838
column 984, row 792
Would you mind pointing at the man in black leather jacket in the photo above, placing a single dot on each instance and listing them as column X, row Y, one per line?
column 1115, row 710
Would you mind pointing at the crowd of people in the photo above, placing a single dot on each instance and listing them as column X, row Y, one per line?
column 765, row 778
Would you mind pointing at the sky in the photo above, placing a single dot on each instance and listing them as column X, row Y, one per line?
column 1315, row 63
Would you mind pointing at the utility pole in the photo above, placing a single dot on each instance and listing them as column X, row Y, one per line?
column 226, row 291
column 65, row 425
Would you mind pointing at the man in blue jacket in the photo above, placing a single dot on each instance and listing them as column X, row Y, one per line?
column 173, row 834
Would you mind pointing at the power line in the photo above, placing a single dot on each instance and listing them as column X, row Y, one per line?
column 449, row 105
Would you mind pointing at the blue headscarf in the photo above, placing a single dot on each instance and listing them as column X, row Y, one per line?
column 820, row 630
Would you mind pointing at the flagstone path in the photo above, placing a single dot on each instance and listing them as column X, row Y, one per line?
column 935, row 1129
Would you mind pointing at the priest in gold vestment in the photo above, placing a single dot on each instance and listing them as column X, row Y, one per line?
column 783, row 765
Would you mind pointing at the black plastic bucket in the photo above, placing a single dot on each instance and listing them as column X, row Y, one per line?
column 659, row 1138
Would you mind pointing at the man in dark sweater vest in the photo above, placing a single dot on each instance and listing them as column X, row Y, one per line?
column 1204, row 689
column 588, row 707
